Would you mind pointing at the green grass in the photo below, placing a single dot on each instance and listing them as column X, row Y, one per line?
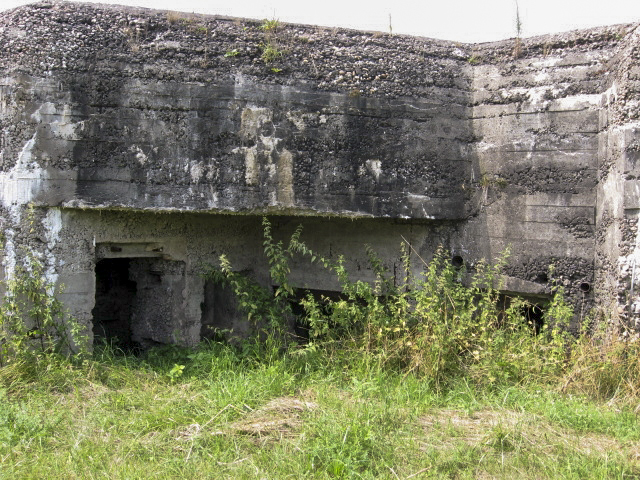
column 259, row 413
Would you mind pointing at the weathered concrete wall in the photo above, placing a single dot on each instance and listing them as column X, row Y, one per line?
column 538, row 118
column 110, row 115
column 618, row 195
column 127, row 108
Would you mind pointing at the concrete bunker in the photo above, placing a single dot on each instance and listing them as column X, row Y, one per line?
column 147, row 161
column 138, row 296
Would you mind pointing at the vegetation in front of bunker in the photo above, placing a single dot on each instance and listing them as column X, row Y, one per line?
column 443, row 324
column 34, row 324
column 272, row 310
column 345, row 406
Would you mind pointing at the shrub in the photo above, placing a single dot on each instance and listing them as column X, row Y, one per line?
column 444, row 324
column 262, row 307
column 270, row 52
column 33, row 321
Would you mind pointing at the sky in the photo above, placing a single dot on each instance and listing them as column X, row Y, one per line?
column 468, row 21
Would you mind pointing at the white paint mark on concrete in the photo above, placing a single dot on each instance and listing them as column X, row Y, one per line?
column 52, row 224
column 141, row 157
column 9, row 250
column 196, row 171
column 375, row 167
column 21, row 182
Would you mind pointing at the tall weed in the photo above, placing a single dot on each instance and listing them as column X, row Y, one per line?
column 267, row 309
column 441, row 325
column 605, row 368
column 33, row 320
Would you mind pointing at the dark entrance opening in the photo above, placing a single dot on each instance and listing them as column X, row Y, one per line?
column 532, row 309
column 115, row 296
column 457, row 261
column 223, row 320
column 534, row 314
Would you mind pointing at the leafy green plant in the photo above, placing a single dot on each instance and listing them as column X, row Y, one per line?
column 270, row 25
column 176, row 372
column 500, row 182
column 33, row 321
column 503, row 439
column 20, row 425
column 270, row 52
column 232, row 53
column 262, row 307
column 270, row 48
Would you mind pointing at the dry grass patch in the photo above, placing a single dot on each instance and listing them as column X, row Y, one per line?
column 510, row 431
column 281, row 417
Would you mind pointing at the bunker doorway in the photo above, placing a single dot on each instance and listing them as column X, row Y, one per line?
column 222, row 318
column 139, row 302
column 531, row 309
column 115, row 297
